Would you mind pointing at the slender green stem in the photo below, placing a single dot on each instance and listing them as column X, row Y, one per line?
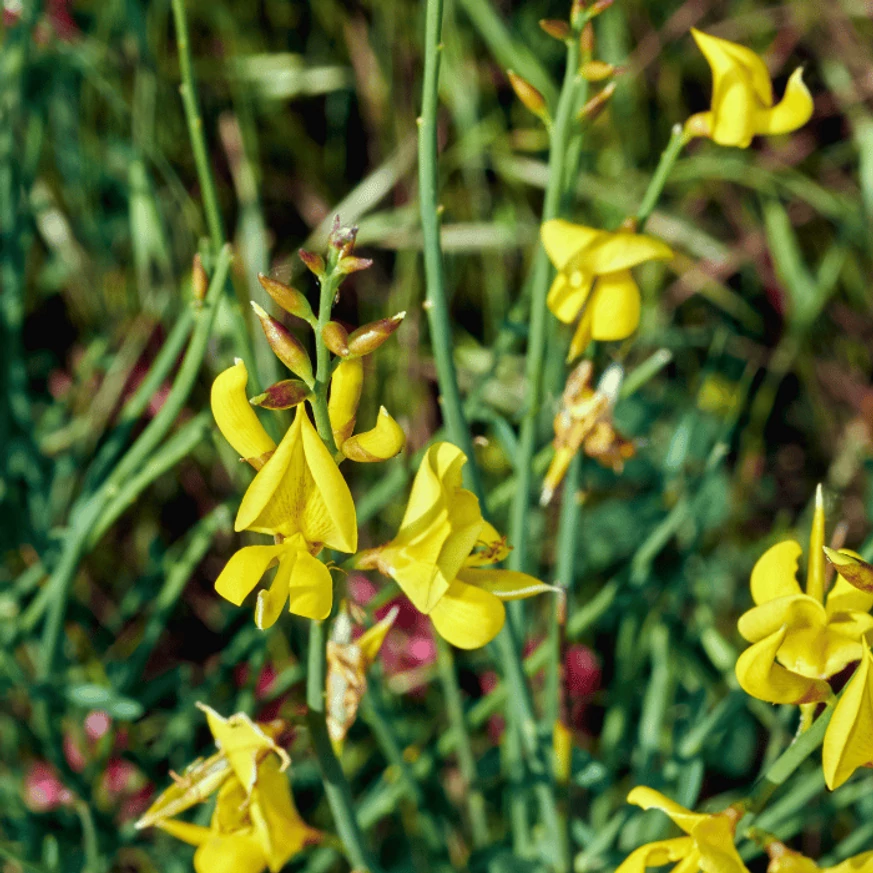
column 466, row 758
column 561, row 132
column 436, row 302
column 677, row 142
column 329, row 284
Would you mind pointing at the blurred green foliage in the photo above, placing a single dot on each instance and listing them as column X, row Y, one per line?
column 763, row 324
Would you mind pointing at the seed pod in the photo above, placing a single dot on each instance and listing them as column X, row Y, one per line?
column 336, row 338
column 314, row 263
column 345, row 395
column 282, row 395
column 290, row 299
column 369, row 337
column 199, row 280
column 383, row 441
column 529, row 96
column 287, row 348
column 555, row 28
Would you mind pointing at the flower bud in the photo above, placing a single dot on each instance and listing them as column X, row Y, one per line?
column 290, row 299
column 555, row 28
column 852, row 568
column 596, row 104
column 599, row 6
column 368, row 338
column 586, row 40
column 336, row 338
column 351, row 264
column 199, row 280
column 282, row 395
column 287, row 348
column 342, row 239
column 345, row 395
column 383, row 441
column 596, row 71
column 529, row 96
column 314, row 263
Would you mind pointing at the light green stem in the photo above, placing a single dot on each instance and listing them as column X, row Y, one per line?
column 677, row 142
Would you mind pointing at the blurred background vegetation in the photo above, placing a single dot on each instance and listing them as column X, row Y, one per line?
column 762, row 332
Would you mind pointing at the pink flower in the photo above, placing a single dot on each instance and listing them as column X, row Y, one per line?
column 43, row 790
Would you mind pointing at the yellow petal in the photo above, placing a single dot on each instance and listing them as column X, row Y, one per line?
column 280, row 829
column 235, row 417
column 815, row 571
column 848, row 742
column 467, row 616
column 648, row 798
column 345, row 395
column 615, row 306
column 818, row 653
column 383, row 441
column 656, row 855
column 238, row 852
column 796, row 612
column 271, row 601
column 760, row 675
column 562, row 240
column 505, row 584
column 775, row 573
column 568, row 294
column 311, row 591
column 581, row 337
column 785, row 860
column 301, row 490
column 244, row 570
column 791, row 112
column 192, row 834
column 371, row 640
column 243, row 742
column 715, row 842
column 614, row 252
column 862, row 863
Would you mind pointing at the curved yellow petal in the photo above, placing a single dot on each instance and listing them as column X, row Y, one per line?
column 775, row 573
column 796, row 611
column 715, row 842
column 237, row 852
column 345, row 395
column 468, row 617
column 818, row 653
column 791, row 112
column 271, row 601
column 311, row 589
column 581, row 337
column 371, row 640
column 785, row 860
column 648, row 798
column 383, row 441
column 725, row 57
column 656, row 855
column 568, row 294
column 848, row 742
column 760, row 675
column 194, row 835
column 862, row 863
column 621, row 251
column 562, row 240
column 235, row 417
column 615, row 306
column 244, row 570
column 505, row 584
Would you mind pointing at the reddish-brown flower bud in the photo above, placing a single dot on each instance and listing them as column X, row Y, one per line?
column 586, row 41
column 282, row 395
column 600, row 6
column 597, row 103
column 352, row 264
column 313, row 262
column 290, row 299
column 368, row 338
column 199, row 280
column 555, row 28
column 336, row 338
column 287, row 348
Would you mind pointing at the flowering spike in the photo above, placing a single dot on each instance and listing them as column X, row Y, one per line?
column 313, row 262
column 369, row 337
column 287, row 348
column 199, row 279
column 336, row 338
column 282, row 395
column 556, row 28
column 290, row 299
column 529, row 96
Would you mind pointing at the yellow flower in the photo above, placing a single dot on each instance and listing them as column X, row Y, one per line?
column 784, row 860
column 298, row 496
column 742, row 96
column 708, row 844
column 255, row 824
column 800, row 640
column 594, row 279
column 442, row 552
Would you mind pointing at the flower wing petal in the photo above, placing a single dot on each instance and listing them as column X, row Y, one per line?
column 648, row 798
column 615, row 306
column 791, row 112
column 467, row 616
column 656, row 855
column 621, row 251
column 775, row 573
column 379, row 443
column 235, row 417
column 311, row 591
column 244, row 570
column 562, row 240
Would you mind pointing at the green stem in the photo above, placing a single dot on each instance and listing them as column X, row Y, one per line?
column 329, row 284
column 561, row 132
column 436, row 302
column 466, row 758
column 336, row 788
column 677, row 142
